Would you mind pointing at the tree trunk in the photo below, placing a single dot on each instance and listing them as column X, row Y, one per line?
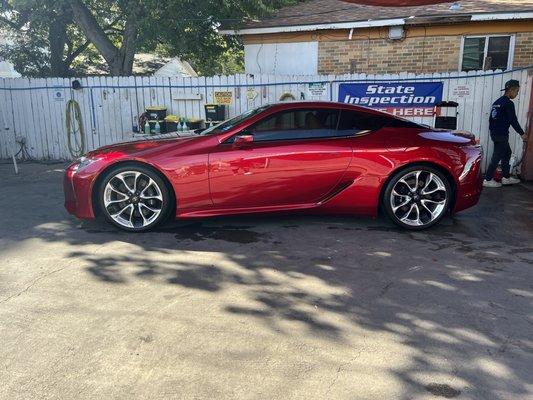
column 57, row 36
column 119, row 60
column 129, row 44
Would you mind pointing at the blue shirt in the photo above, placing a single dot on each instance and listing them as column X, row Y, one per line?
column 503, row 116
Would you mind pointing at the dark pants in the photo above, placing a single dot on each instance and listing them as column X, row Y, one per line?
column 502, row 152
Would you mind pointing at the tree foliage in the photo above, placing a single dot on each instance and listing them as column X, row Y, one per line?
column 41, row 40
column 66, row 37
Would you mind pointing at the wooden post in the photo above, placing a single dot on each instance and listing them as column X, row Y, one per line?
column 527, row 163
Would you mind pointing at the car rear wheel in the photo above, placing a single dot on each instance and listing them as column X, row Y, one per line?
column 134, row 198
column 417, row 197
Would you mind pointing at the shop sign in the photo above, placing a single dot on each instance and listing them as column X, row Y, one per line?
column 406, row 99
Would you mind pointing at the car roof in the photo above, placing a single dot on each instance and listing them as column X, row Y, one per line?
column 287, row 105
column 322, row 103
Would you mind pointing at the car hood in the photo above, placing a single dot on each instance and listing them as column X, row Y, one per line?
column 141, row 145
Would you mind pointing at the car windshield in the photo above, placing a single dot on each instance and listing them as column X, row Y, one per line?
column 230, row 123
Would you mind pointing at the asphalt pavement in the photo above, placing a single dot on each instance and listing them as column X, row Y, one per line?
column 264, row 307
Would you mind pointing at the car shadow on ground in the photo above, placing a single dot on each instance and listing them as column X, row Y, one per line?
column 460, row 292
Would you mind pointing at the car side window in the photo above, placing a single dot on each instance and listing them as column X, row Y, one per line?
column 357, row 122
column 297, row 124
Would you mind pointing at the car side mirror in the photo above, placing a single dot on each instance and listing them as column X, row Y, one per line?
column 243, row 140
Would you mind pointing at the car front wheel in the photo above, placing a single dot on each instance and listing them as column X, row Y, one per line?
column 134, row 198
column 417, row 197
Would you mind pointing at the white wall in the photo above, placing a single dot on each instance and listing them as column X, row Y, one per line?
column 282, row 58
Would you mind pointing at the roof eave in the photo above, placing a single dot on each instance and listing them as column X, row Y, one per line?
column 377, row 23
column 314, row 27
column 502, row 16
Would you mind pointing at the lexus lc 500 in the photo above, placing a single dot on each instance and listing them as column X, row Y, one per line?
column 316, row 157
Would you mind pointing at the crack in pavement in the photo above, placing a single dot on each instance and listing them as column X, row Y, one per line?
column 32, row 284
column 340, row 368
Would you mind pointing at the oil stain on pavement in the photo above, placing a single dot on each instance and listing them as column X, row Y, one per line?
column 229, row 233
column 442, row 390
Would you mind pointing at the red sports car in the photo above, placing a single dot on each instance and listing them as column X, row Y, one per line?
column 315, row 156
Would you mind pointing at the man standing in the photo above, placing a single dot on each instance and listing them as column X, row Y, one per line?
column 502, row 116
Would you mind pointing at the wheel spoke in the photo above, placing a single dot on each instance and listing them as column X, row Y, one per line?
column 119, row 213
column 109, row 200
column 431, row 212
column 406, row 184
column 153, row 185
column 117, row 189
column 108, row 203
column 132, row 210
column 418, row 221
column 135, row 177
column 121, row 178
column 432, row 191
column 406, row 218
column 157, row 197
column 428, row 182
column 404, row 203
column 145, row 221
column 150, row 183
column 395, row 193
column 154, row 210
column 417, row 179
column 438, row 185
column 433, row 201
column 412, row 221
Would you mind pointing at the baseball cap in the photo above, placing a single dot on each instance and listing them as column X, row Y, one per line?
column 511, row 84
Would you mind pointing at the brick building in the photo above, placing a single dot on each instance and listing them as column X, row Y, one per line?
column 335, row 37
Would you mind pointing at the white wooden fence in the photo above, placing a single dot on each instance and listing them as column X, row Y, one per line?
column 34, row 109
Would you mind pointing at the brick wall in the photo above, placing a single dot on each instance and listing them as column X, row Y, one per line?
column 523, row 55
column 430, row 54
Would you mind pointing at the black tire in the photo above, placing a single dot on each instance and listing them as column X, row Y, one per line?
column 139, row 204
column 419, row 204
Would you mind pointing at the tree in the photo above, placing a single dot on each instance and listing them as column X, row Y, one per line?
column 63, row 37
column 119, row 56
column 38, row 37
column 189, row 29
column 184, row 28
column 43, row 41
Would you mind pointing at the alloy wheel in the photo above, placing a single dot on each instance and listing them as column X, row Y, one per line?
column 418, row 198
column 133, row 199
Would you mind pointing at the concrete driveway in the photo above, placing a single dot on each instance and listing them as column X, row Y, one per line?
column 283, row 307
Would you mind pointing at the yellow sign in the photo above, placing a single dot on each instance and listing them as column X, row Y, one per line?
column 223, row 97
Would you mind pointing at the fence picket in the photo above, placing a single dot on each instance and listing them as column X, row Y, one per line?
column 7, row 135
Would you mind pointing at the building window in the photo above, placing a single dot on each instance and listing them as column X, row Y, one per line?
column 487, row 52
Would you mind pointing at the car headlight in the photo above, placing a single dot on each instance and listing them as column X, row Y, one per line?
column 83, row 162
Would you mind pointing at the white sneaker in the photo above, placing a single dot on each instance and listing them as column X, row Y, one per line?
column 510, row 181
column 491, row 184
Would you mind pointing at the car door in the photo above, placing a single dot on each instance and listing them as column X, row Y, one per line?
column 295, row 158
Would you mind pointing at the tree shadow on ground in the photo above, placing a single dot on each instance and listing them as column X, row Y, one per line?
column 459, row 296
